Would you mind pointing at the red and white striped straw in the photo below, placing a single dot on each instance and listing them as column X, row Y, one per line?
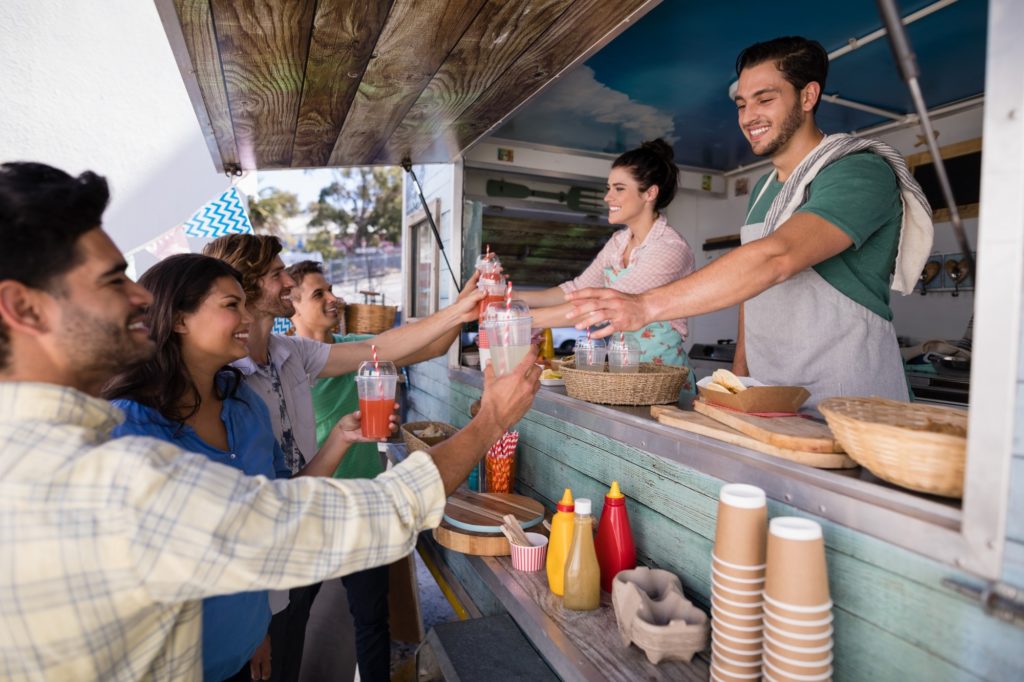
column 376, row 362
column 508, row 324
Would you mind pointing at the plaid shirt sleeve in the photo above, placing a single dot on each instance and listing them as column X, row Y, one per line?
column 201, row 529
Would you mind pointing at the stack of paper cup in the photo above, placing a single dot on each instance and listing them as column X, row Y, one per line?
column 797, row 608
column 737, row 584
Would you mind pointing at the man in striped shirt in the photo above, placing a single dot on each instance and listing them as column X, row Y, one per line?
column 107, row 547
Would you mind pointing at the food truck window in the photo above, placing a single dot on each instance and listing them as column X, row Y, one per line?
column 423, row 259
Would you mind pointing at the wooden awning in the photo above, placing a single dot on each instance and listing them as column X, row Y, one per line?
column 315, row 83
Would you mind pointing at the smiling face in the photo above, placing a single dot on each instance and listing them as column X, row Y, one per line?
column 315, row 305
column 99, row 327
column 626, row 203
column 275, row 292
column 771, row 111
column 218, row 330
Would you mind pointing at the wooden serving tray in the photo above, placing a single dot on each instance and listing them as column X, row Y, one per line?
column 700, row 424
column 791, row 433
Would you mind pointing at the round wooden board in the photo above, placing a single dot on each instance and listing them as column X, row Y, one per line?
column 466, row 542
column 482, row 513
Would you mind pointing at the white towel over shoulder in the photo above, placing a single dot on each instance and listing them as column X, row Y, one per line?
column 917, row 231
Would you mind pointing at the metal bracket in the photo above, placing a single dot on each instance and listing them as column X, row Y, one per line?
column 1000, row 600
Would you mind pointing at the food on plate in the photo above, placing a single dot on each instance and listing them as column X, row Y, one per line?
column 432, row 431
column 550, row 374
column 727, row 380
column 715, row 387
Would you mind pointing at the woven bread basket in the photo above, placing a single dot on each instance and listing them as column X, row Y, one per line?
column 369, row 318
column 920, row 447
column 652, row 385
column 414, row 443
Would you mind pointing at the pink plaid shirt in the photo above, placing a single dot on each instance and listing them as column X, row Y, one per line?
column 663, row 257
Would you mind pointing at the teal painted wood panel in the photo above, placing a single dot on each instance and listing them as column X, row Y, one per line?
column 890, row 603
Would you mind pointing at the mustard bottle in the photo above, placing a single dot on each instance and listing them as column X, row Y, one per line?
column 559, row 541
column 582, row 573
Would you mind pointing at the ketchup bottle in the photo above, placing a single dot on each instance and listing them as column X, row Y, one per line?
column 614, row 544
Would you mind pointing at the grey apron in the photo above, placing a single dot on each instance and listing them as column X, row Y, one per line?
column 805, row 332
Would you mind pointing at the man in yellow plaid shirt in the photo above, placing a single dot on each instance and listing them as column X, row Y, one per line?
column 107, row 547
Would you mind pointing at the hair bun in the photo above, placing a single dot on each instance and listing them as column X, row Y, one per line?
column 661, row 148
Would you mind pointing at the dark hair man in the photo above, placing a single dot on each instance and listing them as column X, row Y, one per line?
column 109, row 545
column 836, row 222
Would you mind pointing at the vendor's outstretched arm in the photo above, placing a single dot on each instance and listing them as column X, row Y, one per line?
column 801, row 242
column 542, row 299
column 406, row 340
column 440, row 345
column 504, row 402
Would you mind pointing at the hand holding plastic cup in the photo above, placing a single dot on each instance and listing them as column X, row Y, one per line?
column 376, row 382
column 508, row 326
column 623, row 354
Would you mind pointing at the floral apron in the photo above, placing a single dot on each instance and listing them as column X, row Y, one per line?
column 659, row 342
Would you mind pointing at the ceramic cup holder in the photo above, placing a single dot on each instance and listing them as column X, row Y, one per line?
column 652, row 613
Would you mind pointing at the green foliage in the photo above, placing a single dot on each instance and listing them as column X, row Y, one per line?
column 363, row 206
column 271, row 208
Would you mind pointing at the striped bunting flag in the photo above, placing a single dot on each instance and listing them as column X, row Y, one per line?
column 224, row 215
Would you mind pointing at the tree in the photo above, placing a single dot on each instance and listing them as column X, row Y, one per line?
column 363, row 206
column 270, row 208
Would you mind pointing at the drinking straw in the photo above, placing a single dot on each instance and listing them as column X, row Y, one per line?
column 508, row 321
column 376, row 368
column 625, row 351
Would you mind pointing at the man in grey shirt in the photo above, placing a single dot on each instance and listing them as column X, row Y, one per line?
column 280, row 369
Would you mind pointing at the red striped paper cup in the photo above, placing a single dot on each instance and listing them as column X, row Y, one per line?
column 530, row 558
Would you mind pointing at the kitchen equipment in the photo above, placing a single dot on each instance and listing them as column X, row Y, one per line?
column 928, row 274
column 792, row 433
column 950, row 365
column 580, row 199
column 921, row 447
column 700, row 424
column 653, row 384
column 958, row 271
column 484, row 512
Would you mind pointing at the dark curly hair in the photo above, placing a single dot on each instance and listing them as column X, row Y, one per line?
column 298, row 272
column 43, row 212
column 179, row 284
column 800, row 60
column 652, row 164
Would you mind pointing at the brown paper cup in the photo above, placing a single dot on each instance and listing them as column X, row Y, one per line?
column 802, row 614
column 720, row 675
column 736, row 620
column 787, row 638
column 729, row 580
column 740, row 632
column 737, row 571
column 796, row 573
column 799, row 653
column 745, row 646
column 742, row 610
column 733, row 667
column 791, row 668
column 741, row 524
column 818, row 629
column 723, row 650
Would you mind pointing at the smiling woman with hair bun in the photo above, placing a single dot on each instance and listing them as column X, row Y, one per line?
column 644, row 255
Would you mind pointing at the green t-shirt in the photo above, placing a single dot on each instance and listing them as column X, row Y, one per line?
column 859, row 195
column 333, row 398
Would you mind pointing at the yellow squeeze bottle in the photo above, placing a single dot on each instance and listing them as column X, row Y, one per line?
column 559, row 541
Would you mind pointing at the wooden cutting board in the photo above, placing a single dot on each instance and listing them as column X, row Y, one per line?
column 792, row 433
column 706, row 426
column 472, row 520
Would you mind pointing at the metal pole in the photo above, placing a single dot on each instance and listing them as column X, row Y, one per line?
column 907, row 63
column 407, row 165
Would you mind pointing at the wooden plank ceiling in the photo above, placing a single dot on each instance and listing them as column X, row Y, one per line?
column 315, row 83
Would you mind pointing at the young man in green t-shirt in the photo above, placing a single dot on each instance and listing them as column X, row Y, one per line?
column 317, row 315
column 813, row 274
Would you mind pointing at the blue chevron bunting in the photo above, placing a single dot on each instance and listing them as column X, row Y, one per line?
column 224, row 215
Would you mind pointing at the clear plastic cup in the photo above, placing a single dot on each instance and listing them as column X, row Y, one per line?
column 590, row 354
column 509, row 331
column 623, row 355
column 376, row 383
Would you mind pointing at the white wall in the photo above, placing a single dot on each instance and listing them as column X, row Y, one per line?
column 94, row 86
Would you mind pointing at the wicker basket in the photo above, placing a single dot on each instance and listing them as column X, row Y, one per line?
column 413, row 443
column 921, row 447
column 652, row 385
column 368, row 318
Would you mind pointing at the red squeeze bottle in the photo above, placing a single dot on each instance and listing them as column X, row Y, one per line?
column 614, row 543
